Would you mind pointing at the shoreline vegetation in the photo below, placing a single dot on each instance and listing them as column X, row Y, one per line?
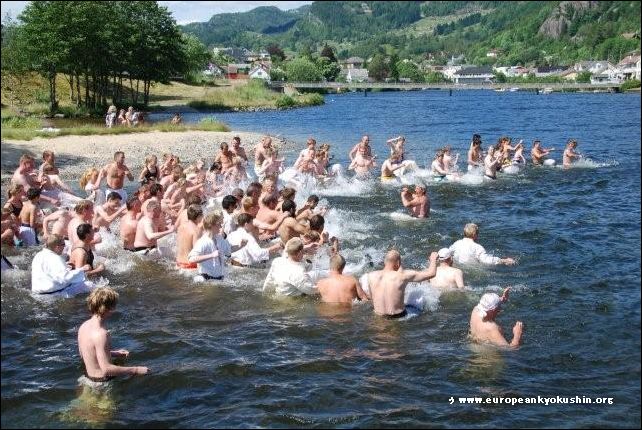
column 25, row 111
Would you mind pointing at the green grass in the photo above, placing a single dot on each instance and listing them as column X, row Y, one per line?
column 254, row 94
column 630, row 84
column 16, row 133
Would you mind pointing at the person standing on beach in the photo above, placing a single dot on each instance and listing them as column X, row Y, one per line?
column 387, row 286
column 483, row 327
column 115, row 175
column 94, row 340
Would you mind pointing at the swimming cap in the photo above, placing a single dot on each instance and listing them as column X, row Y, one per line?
column 488, row 302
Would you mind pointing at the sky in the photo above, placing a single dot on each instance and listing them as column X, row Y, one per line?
column 187, row 11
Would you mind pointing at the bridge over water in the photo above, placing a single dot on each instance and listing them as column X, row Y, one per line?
column 339, row 86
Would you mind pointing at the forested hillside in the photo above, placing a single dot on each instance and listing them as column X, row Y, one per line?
column 522, row 32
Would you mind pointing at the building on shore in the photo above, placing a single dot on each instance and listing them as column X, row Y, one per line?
column 474, row 75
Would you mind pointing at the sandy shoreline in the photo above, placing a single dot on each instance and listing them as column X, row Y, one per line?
column 74, row 154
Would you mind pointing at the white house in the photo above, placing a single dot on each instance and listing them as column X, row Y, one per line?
column 357, row 75
column 591, row 66
column 260, row 72
column 354, row 63
column 608, row 75
column 630, row 66
column 474, row 75
column 449, row 71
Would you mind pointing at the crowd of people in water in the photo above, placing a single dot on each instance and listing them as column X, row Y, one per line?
column 257, row 225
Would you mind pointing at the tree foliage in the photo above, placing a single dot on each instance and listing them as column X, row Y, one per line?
column 303, row 70
column 102, row 45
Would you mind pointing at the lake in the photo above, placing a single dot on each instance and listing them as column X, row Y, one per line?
column 225, row 355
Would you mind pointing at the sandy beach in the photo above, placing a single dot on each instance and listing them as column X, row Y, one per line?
column 74, row 154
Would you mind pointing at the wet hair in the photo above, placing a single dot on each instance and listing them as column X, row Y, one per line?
column 211, row 219
column 193, row 199
column 317, row 223
column 337, row 263
column 287, row 193
column 289, row 206
column 84, row 230
column 236, row 139
column 117, row 153
column 254, row 188
column 294, row 246
column 215, row 166
column 33, row 193
column 83, row 205
column 313, row 198
column 114, row 196
column 131, row 202
column 155, row 190
column 247, row 203
column 102, row 300
column 269, row 200
column 228, row 202
column 194, row 212
column 243, row 219
column 224, row 145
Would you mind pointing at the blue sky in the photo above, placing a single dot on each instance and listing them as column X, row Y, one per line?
column 188, row 11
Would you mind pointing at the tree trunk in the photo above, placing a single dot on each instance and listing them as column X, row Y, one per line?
column 78, row 96
column 131, row 88
column 87, row 101
column 146, row 85
column 53, row 104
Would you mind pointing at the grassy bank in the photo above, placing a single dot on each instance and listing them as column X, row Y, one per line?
column 16, row 128
column 28, row 94
column 250, row 96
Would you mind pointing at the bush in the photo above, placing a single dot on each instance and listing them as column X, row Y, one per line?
column 21, row 122
column 632, row 83
column 285, row 102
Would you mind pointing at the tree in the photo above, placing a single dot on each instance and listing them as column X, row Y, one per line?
column 583, row 77
column 330, row 70
column 276, row 53
column 378, row 69
column 197, row 55
column 303, row 70
column 328, row 53
column 500, row 78
column 409, row 70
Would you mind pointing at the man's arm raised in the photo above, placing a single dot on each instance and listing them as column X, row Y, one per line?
column 424, row 275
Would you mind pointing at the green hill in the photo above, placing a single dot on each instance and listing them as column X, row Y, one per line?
column 526, row 32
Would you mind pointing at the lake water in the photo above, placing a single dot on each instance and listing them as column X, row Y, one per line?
column 228, row 356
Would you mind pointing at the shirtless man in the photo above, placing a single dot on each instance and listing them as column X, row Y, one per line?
column 538, row 153
column 447, row 276
column 269, row 216
column 146, row 232
column 25, row 176
column 225, row 157
column 570, row 156
column 187, row 235
column 290, row 227
column 438, row 167
column 361, row 164
column 115, row 174
column 260, row 152
column 387, row 286
column 254, row 191
column 392, row 164
column 109, row 211
column 483, row 327
column 475, row 153
column 397, row 145
column 492, row 163
column 237, row 149
column 31, row 218
column 129, row 222
column 363, row 148
column 337, row 287
column 60, row 219
column 418, row 203
column 306, row 156
column 94, row 340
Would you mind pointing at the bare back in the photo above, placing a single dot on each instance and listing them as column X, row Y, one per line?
column 338, row 288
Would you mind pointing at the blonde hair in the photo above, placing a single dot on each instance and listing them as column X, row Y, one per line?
column 83, row 205
column 212, row 218
column 48, row 168
column 247, row 203
column 14, row 189
column 470, row 230
column 294, row 246
column 84, row 179
column 102, row 300
column 149, row 159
